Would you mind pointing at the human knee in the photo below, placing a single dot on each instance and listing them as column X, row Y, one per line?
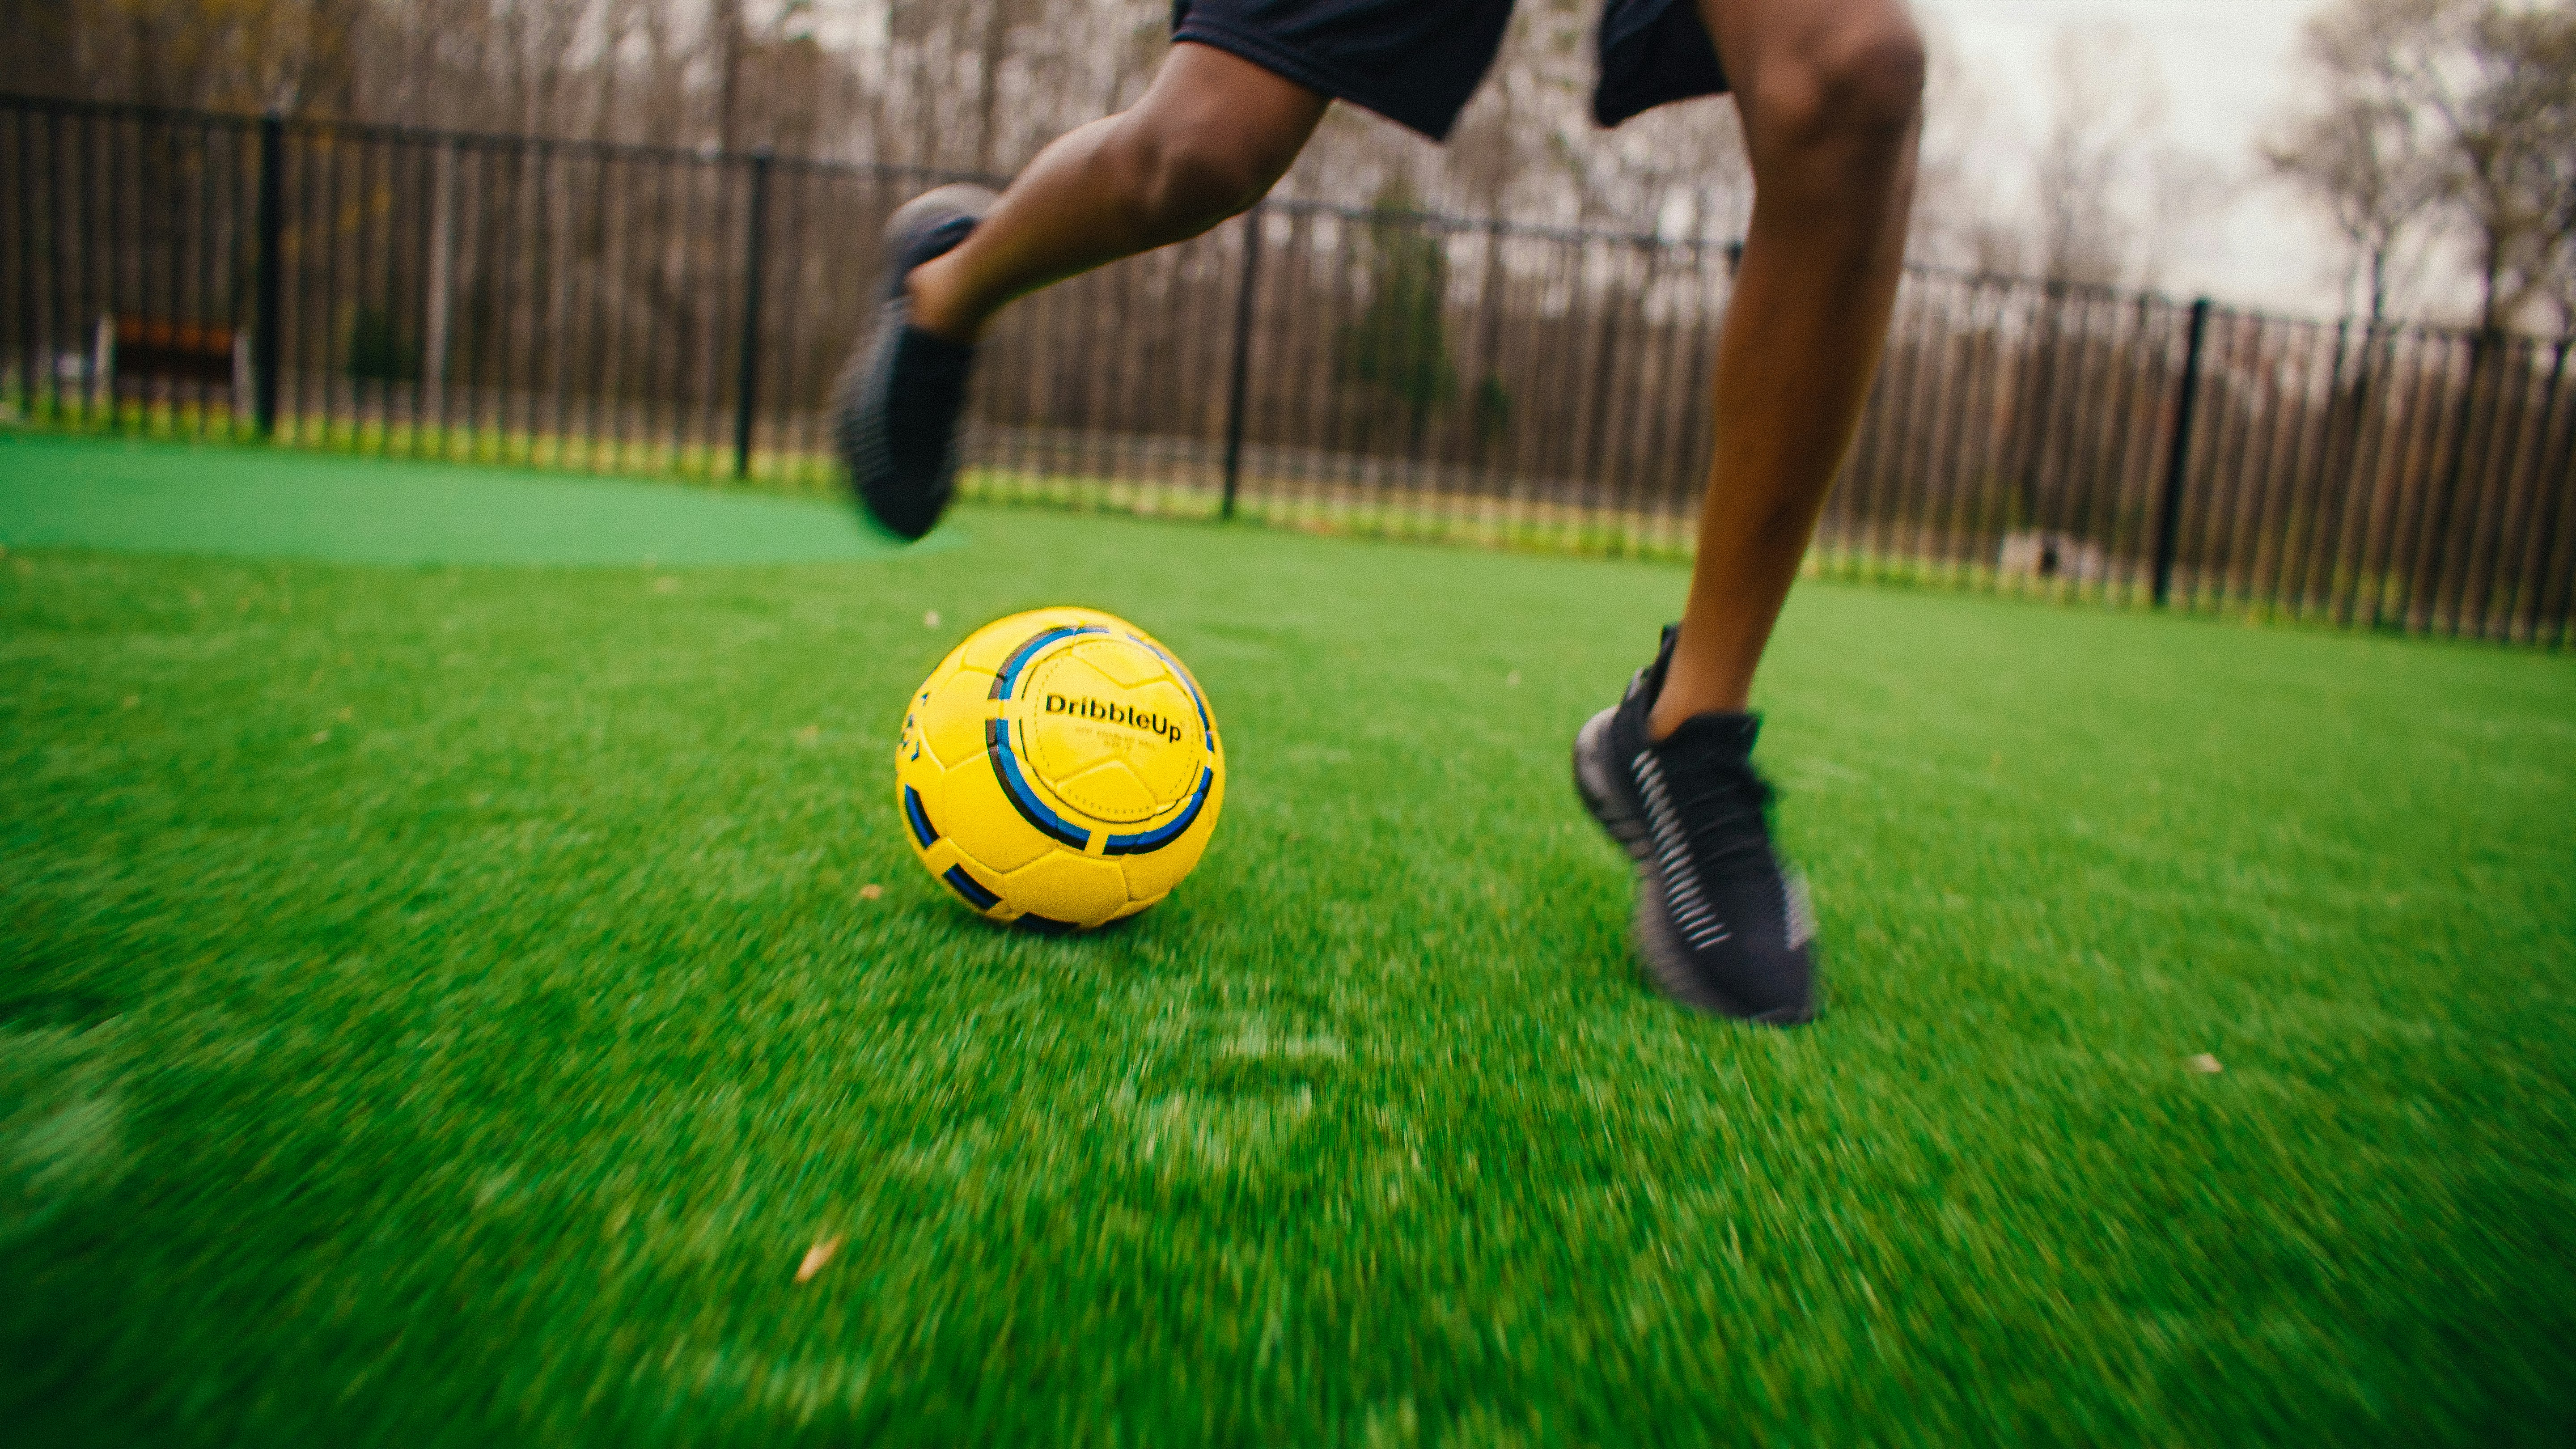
column 1854, row 79
column 1185, row 179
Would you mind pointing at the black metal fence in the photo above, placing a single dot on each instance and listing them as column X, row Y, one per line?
column 631, row 309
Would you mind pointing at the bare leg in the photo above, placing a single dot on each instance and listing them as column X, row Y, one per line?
column 1831, row 96
column 1210, row 137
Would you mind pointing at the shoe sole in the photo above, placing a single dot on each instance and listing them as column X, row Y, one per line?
column 861, row 438
column 1612, row 801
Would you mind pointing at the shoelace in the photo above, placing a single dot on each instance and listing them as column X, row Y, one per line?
column 1724, row 805
column 932, row 242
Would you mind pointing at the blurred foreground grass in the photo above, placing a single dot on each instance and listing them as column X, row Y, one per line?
column 438, row 1005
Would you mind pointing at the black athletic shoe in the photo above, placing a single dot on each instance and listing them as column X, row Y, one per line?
column 895, row 409
column 1721, row 925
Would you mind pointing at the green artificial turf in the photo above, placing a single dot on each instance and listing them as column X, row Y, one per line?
column 58, row 490
column 441, row 1009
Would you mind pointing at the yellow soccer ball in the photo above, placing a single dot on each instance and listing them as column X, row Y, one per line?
column 1059, row 769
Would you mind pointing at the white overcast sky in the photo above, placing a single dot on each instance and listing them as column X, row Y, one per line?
column 2226, row 70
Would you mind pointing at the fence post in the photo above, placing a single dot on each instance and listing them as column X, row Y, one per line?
column 2424, row 571
column 442, row 242
column 746, row 387
column 1240, row 381
column 268, row 327
column 2178, row 455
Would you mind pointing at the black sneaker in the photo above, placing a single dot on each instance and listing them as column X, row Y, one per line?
column 1721, row 925
column 894, row 411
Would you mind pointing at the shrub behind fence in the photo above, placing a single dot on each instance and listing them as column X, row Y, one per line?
column 624, row 308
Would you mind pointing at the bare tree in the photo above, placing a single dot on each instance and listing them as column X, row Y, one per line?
column 993, row 51
column 2106, row 116
column 2099, row 198
column 2516, row 144
column 1965, row 214
column 2462, row 103
column 730, row 38
column 2364, row 163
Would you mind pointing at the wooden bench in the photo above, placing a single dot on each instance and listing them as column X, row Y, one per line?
column 146, row 350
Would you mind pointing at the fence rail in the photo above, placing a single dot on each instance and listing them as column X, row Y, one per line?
column 625, row 308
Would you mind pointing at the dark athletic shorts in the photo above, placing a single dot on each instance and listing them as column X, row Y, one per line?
column 1416, row 62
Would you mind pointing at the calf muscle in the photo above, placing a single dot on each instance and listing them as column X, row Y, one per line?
column 1830, row 95
column 1209, row 138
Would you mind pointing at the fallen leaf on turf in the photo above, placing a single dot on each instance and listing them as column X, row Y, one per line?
column 810, row 735
column 930, row 619
column 2205, row 1063
column 871, row 891
column 319, row 736
column 1512, row 680
column 815, row 1257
